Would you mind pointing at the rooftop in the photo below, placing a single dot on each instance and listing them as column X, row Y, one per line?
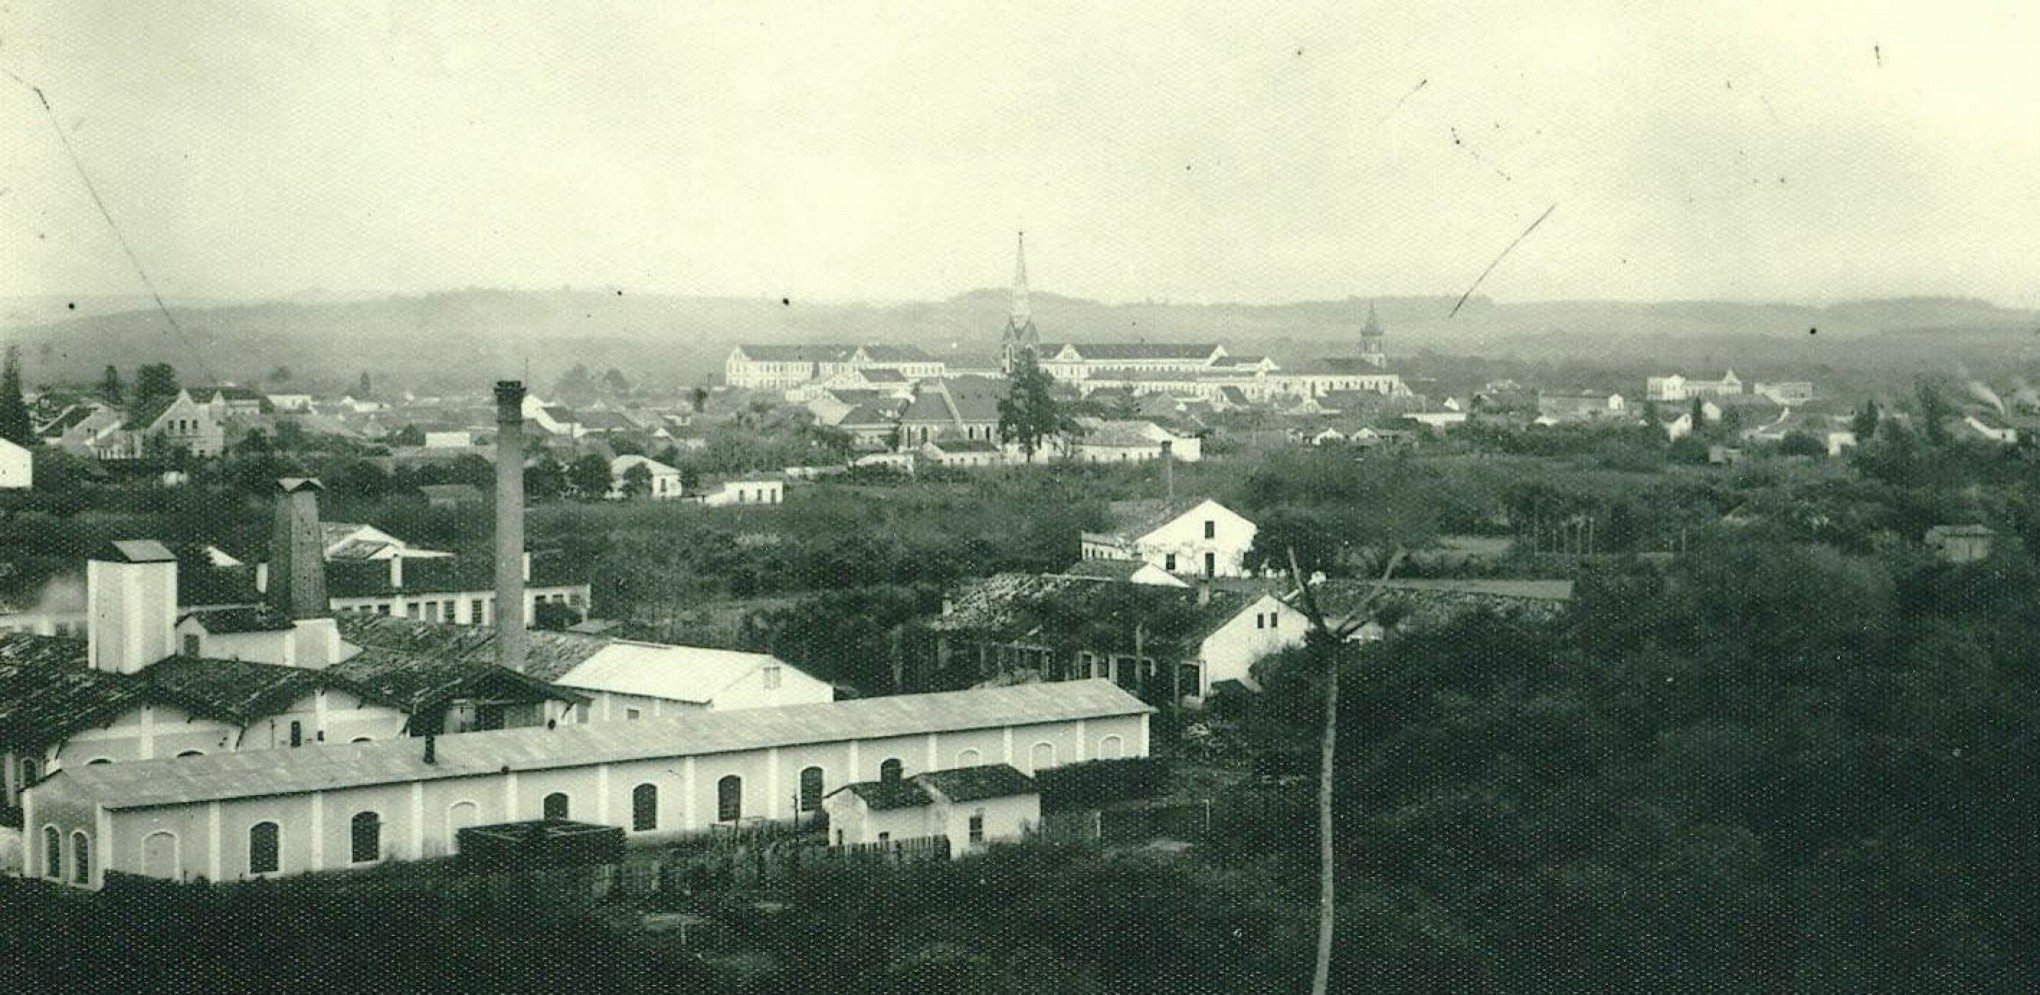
column 148, row 783
column 969, row 784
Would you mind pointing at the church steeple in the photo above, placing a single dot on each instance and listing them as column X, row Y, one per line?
column 1370, row 338
column 1020, row 334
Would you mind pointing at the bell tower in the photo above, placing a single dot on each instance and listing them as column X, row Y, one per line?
column 1020, row 335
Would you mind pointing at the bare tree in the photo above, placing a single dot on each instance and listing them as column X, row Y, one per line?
column 1329, row 643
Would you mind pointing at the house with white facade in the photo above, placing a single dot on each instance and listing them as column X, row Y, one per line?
column 1197, row 536
column 970, row 807
column 17, row 467
column 628, row 680
column 741, row 491
column 662, row 482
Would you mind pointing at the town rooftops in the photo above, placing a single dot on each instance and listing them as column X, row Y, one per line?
column 1095, row 351
column 327, row 767
column 797, row 353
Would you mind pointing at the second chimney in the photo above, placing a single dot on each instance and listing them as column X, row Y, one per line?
column 510, row 524
column 297, row 551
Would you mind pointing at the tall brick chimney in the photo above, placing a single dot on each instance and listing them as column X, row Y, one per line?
column 510, row 524
column 297, row 551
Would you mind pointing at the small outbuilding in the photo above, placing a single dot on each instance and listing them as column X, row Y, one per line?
column 970, row 806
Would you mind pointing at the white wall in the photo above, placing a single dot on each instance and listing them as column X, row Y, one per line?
column 1229, row 653
column 17, row 467
column 1184, row 537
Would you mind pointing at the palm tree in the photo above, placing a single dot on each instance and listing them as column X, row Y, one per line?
column 1329, row 643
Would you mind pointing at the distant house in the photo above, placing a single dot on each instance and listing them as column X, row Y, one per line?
column 969, row 806
column 450, row 439
column 452, row 495
column 963, row 453
column 965, row 408
column 1195, row 536
column 1101, row 440
column 17, row 467
column 1785, row 393
column 662, row 482
column 1677, row 387
column 227, row 400
column 631, row 680
column 1960, row 543
column 741, row 491
column 1557, row 406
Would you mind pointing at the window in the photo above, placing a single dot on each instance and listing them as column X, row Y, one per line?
column 1210, row 529
column 1111, row 748
column 977, row 827
column 811, row 789
column 889, row 771
column 772, row 677
column 1274, row 617
column 99, row 760
column 729, row 798
column 1041, row 756
column 581, row 713
column 265, row 849
column 644, row 808
column 1169, row 563
column 554, row 806
column 53, row 853
column 365, row 830
column 29, row 772
column 191, row 644
column 81, row 858
column 297, row 733
column 884, row 837
column 1210, row 564
column 1260, row 620
column 191, row 753
column 633, row 714
column 969, row 758
column 475, row 612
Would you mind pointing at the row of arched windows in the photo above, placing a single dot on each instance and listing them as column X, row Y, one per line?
column 265, row 839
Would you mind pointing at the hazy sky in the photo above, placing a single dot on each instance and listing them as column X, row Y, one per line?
column 885, row 151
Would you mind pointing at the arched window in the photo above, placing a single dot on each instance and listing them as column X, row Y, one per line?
column 53, row 853
column 969, row 758
column 363, row 739
column 30, row 770
column 1111, row 748
column 1041, row 756
column 810, row 789
column 99, row 760
column 644, row 807
column 729, row 798
column 555, row 806
column 365, row 832
column 81, row 858
column 191, row 753
column 889, row 771
column 159, row 856
column 459, row 816
column 265, row 850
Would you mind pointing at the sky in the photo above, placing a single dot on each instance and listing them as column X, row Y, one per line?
column 889, row 151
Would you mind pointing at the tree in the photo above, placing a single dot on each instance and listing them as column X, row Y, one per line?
column 588, row 476
column 637, row 481
column 615, row 382
column 280, row 375
column 1934, row 412
column 545, row 479
column 1030, row 414
column 1864, row 424
column 1330, row 645
column 110, row 389
column 1801, row 443
column 699, row 398
column 409, row 435
column 366, row 388
column 15, row 425
column 154, row 381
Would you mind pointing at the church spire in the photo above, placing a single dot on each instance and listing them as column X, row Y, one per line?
column 1370, row 338
column 1020, row 335
column 1021, row 314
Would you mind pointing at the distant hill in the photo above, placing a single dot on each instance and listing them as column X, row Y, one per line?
column 456, row 338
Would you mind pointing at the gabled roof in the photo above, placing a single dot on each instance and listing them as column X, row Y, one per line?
column 416, row 682
column 145, row 413
column 135, row 551
column 969, row 784
column 676, row 673
column 258, row 773
column 547, row 655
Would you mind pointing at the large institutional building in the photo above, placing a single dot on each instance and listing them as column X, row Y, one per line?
column 1202, row 371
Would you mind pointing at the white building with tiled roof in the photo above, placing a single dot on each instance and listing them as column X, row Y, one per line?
column 1198, row 537
column 235, row 817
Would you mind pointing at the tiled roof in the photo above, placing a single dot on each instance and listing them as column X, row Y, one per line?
column 676, row 673
column 969, row 784
column 797, row 353
column 326, row 767
column 883, row 796
column 1138, row 350
column 253, row 618
column 547, row 655
column 416, row 682
column 144, row 414
column 896, row 354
